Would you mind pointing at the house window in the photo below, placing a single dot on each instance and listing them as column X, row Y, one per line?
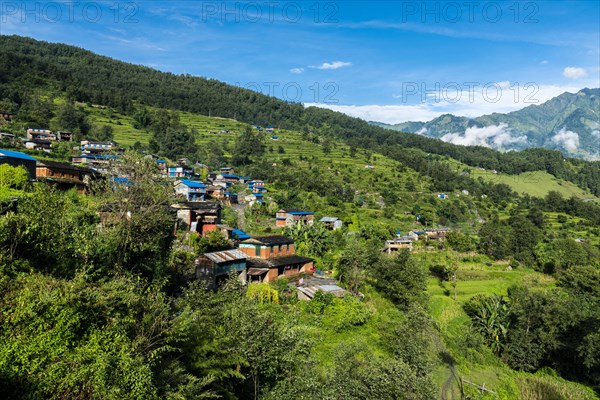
column 257, row 251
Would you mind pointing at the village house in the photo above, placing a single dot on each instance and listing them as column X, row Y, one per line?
column 40, row 134
column 269, row 129
column 232, row 178
column 38, row 144
column 331, row 223
column 417, row 234
column 442, row 196
column 235, row 235
column 438, row 233
column 99, row 163
column 190, row 190
column 231, row 198
column 215, row 192
column 162, row 166
column 198, row 217
column 221, row 183
column 8, row 137
column 64, row 136
column 4, row 116
column 65, row 176
column 257, row 186
column 91, row 147
column 272, row 256
column 180, row 171
column 226, row 170
column 214, row 268
column 293, row 217
column 255, row 198
column 16, row 158
column 400, row 242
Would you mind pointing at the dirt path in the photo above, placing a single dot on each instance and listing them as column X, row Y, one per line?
column 447, row 387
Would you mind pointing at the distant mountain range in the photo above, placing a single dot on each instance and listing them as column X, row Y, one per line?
column 569, row 122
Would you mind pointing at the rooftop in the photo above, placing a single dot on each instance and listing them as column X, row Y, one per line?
column 270, row 240
column 227, row 255
column 193, row 184
column 15, row 154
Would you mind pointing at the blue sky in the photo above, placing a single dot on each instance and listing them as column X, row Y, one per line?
column 390, row 61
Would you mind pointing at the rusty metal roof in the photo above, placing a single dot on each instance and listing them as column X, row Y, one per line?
column 227, row 255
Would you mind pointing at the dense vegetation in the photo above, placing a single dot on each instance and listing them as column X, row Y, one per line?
column 96, row 295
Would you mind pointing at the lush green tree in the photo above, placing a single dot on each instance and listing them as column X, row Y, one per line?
column 47, row 232
column 494, row 240
column 354, row 262
column 170, row 137
column 248, row 147
column 489, row 314
column 460, row 242
column 138, row 221
column 73, row 119
column 401, row 279
column 13, row 177
column 523, row 239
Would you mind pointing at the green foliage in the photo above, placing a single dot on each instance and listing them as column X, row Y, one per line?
column 73, row 119
column 494, row 240
column 353, row 263
column 248, row 147
column 170, row 137
column 13, row 177
column 490, row 318
column 360, row 374
column 213, row 241
column 138, row 222
column 401, row 279
column 262, row 293
column 77, row 339
column 49, row 233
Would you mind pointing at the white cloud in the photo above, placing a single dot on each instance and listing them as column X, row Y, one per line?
column 389, row 114
column 297, row 70
column 422, row 131
column 332, row 65
column 497, row 136
column 470, row 103
column 567, row 139
column 544, row 62
column 574, row 72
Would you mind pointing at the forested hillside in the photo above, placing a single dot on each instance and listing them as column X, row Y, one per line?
column 27, row 65
column 99, row 295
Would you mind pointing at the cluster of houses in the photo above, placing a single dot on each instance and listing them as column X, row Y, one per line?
column 406, row 241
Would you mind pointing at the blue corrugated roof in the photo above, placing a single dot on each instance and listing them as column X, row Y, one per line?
column 161, row 161
column 241, row 235
column 301, row 213
column 193, row 184
column 16, row 154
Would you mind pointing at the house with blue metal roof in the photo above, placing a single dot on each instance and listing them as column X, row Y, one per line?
column 191, row 190
column 293, row 217
column 16, row 159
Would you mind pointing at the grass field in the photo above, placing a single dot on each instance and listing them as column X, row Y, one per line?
column 535, row 183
